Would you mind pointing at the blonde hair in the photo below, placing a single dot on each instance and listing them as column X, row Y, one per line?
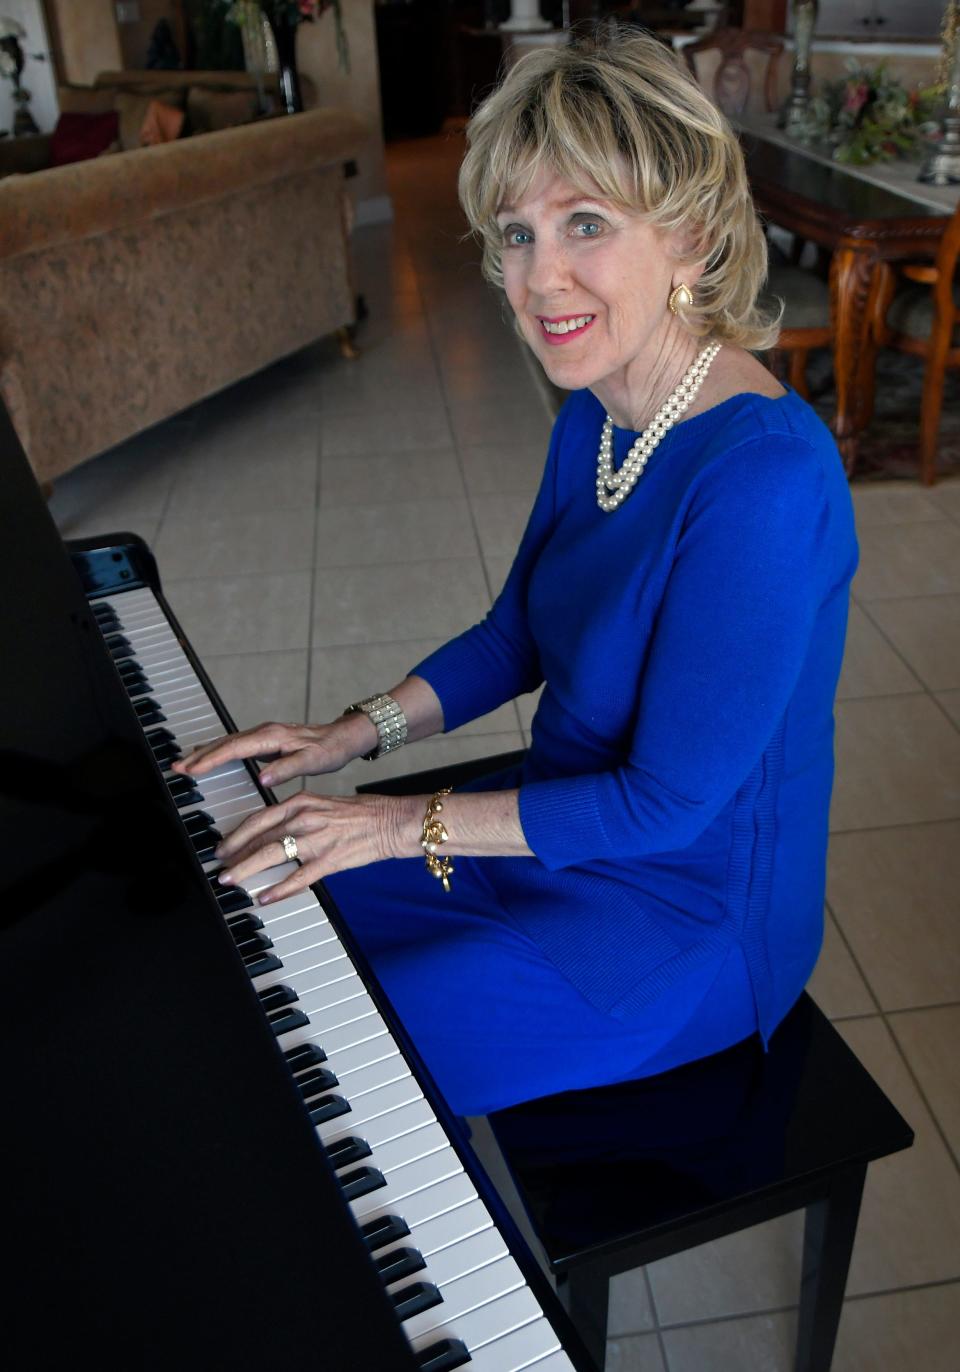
column 623, row 115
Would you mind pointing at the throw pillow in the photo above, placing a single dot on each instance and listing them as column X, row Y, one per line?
column 84, row 100
column 162, row 124
column 132, row 110
column 78, row 137
column 211, row 110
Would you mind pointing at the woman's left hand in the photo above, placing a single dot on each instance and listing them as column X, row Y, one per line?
column 332, row 834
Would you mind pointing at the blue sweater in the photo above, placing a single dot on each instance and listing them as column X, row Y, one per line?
column 677, row 787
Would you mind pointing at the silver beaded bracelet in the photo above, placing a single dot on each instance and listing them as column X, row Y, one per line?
column 389, row 719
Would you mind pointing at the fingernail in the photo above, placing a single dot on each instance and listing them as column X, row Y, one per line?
column 265, row 899
column 266, row 778
column 225, row 879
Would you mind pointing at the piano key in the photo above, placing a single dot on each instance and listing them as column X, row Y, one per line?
column 444, row 1356
column 416, row 1299
column 463, row 1257
column 332, row 1019
column 361, row 1181
column 533, row 1345
column 424, row 1174
column 347, row 1152
column 396, row 1263
column 430, row 1202
column 381, row 1129
column 469, row 1295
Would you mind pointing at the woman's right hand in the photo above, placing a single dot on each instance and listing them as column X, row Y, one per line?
column 290, row 750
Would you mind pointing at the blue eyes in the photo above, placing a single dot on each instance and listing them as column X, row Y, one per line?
column 582, row 228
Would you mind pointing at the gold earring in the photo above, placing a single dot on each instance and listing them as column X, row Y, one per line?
column 681, row 296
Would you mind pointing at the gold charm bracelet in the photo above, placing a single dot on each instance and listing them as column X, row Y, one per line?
column 433, row 835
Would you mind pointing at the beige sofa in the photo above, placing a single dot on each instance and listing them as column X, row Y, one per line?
column 133, row 285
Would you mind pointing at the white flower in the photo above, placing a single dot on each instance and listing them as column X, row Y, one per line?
column 9, row 28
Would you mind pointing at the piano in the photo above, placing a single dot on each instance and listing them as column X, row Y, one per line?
column 220, row 1148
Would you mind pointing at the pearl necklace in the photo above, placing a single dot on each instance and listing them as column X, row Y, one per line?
column 613, row 487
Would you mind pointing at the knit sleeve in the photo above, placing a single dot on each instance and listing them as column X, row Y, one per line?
column 728, row 644
column 497, row 659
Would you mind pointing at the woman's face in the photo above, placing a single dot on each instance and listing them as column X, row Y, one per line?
column 589, row 284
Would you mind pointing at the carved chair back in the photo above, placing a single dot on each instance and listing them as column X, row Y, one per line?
column 728, row 63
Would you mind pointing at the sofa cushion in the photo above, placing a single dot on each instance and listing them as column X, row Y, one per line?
column 162, row 124
column 78, row 137
column 209, row 110
column 84, row 100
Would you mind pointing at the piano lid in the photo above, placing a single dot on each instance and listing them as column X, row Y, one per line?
column 168, row 1204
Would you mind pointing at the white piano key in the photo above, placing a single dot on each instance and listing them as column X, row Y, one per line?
column 365, row 1080
column 533, row 1345
column 393, row 1124
column 408, row 1180
column 429, row 1203
column 389, row 1097
column 557, row 1361
column 456, row 1260
column 353, row 1033
column 469, row 1294
column 482, row 1325
column 364, row 1054
column 419, row 1143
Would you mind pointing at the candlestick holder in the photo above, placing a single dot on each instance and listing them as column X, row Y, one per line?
column 794, row 112
column 942, row 164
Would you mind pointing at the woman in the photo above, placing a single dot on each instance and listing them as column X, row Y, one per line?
column 647, row 888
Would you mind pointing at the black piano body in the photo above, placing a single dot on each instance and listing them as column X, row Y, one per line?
column 168, row 1202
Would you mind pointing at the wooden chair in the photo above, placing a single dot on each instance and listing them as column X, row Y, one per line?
column 805, row 323
column 732, row 82
column 618, row 1176
column 918, row 312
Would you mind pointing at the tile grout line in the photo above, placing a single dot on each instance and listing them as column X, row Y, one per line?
column 883, row 1016
column 656, row 1318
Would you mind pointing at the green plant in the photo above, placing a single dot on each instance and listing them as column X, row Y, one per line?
column 869, row 115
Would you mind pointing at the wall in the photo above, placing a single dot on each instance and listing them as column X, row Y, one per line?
column 135, row 38
column 88, row 42
column 358, row 90
column 38, row 75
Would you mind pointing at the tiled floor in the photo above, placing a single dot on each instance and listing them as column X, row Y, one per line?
column 322, row 525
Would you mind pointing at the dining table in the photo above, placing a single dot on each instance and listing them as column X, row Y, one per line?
column 864, row 217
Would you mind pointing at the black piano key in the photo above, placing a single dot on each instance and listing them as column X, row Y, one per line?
column 326, row 1108
column 316, row 1081
column 248, row 922
column 415, row 1298
column 233, row 899
column 282, row 1021
column 444, row 1356
column 304, row 1055
column 262, row 963
column 129, row 667
column 383, row 1230
column 189, row 797
column 273, row 997
column 136, row 686
column 401, row 1262
column 205, row 845
column 102, row 610
column 250, row 941
column 198, row 822
column 361, row 1181
column 347, row 1151
column 163, row 743
column 148, row 711
column 118, row 644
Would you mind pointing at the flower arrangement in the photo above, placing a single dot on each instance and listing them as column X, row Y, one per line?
column 869, row 116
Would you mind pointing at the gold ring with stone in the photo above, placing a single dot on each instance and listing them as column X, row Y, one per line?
column 290, row 847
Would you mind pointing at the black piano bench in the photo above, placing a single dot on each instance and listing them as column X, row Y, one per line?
column 618, row 1176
